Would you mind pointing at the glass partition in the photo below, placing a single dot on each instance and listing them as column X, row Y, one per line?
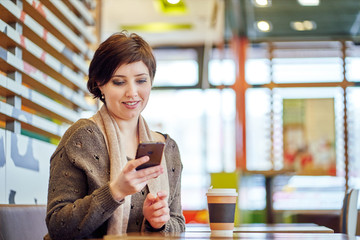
column 202, row 124
column 176, row 67
column 300, row 70
column 202, row 121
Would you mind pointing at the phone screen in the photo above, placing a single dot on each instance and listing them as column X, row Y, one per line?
column 152, row 149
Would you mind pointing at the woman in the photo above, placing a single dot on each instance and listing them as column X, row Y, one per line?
column 94, row 189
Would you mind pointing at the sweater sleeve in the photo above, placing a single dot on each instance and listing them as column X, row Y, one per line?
column 79, row 197
column 177, row 220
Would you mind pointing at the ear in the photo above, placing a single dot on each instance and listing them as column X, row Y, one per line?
column 100, row 87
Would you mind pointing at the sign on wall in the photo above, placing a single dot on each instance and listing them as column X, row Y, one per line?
column 24, row 169
column 309, row 136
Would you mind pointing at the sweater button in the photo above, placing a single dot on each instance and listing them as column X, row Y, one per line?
column 78, row 144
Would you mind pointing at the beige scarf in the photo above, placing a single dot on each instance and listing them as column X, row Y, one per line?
column 115, row 145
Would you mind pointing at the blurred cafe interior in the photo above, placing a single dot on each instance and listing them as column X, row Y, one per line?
column 260, row 95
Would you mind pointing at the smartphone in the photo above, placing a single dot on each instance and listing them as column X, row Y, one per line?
column 152, row 149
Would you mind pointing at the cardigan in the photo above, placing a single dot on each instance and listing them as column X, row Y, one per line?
column 79, row 196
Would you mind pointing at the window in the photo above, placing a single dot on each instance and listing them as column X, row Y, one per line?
column 176, row 68
column 205, row 139
column 222, row 69
column 300, row 70
column 201, row 121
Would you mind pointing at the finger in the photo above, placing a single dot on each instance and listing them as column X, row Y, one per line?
column 142, row 181
column 161, row 212
column 160, row 204
column 132, row 164
column 151, row 197
column 162, row 195
column 149, row 170
column 162, row 219
column 147, row 174
column 140, row 178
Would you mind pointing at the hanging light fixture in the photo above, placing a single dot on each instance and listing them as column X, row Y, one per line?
column 309, row 2
column 263, row 26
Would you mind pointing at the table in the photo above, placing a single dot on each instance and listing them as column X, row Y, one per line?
column 267, row 228
column 247, row 236
column 283, row 231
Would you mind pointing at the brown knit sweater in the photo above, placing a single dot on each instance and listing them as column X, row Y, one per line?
column 79, row 197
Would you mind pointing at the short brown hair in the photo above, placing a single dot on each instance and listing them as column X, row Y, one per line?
column 120, row 48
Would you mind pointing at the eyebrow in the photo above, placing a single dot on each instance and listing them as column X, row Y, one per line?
column 137, row 75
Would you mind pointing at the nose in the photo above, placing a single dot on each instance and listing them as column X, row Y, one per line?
column 131, row 91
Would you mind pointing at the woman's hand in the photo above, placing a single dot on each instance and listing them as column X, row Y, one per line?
column 156, row 210
column 131, row 181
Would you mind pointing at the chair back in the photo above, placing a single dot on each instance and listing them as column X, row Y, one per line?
column 349, row 213
column 26, row 222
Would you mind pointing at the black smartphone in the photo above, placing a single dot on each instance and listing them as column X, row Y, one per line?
column 152, row 149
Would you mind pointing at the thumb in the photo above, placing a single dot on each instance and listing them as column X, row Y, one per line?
column 150, row 199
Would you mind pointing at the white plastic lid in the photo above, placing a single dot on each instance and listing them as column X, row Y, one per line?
column 221, row 192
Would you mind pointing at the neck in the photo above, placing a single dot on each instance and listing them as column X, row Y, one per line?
column 128, row 128
column 129, row 131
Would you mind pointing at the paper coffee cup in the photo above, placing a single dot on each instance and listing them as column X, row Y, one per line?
column 221, row 206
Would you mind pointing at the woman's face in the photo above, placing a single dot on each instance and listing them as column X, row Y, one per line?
column 127, row 92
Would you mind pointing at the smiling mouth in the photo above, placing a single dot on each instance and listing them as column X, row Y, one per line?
column 131, row 103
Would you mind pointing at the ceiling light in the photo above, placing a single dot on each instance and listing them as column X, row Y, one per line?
column 309, row 2
column 303, row 26
column 298, row 26
column 262, row 3
column 173, row 1
column 309, row 25
column 170, row 7
column 263, row 26
column 157, row 27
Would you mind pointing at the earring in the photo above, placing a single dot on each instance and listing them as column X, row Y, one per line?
column 102, row 97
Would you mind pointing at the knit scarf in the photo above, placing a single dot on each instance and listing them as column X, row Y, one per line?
column 115, row 145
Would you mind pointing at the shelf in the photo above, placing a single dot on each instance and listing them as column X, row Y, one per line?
column 55, row 26
column 37, row 101
column 30, row 121
column 82, row 10
column 67, row 16
column 40, row 59
column 42, row 82
column 36, row 33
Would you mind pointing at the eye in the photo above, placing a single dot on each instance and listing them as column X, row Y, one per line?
column 143, row 80
column 118, row 82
